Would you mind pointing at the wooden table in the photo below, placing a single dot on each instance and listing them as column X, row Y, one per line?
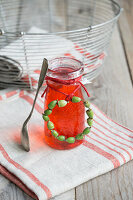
column 112, row 92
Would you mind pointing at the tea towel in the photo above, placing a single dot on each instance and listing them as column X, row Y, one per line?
column 45, row 172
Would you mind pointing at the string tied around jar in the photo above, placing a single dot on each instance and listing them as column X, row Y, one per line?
column 65, row 82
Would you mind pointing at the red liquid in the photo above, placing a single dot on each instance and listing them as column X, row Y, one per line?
column 69, row 120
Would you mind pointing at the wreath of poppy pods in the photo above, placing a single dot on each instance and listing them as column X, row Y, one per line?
column 63, row 103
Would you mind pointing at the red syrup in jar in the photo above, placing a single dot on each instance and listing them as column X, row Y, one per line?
column 69, row 120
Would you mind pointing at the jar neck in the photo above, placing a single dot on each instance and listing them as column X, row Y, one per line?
column 64, row 82
column 65, row 68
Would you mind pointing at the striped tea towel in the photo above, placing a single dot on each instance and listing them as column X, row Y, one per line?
column 45, row 172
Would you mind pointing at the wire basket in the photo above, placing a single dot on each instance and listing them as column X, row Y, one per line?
column 33, row 29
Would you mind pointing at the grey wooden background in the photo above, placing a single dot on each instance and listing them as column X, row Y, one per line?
column 112, row 92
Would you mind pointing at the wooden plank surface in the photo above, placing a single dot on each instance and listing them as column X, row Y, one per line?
column 113, row 93
column 126, row 31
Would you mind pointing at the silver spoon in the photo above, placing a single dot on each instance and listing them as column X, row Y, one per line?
column 24, row 132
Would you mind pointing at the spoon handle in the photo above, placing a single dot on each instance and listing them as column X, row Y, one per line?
column 40, row 82
column 24, row 132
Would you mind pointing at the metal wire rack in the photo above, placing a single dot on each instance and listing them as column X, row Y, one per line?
column 33, row 29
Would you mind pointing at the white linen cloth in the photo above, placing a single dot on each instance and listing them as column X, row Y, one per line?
column 48, row 172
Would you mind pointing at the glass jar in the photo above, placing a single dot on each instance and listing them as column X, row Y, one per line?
column 68, row 121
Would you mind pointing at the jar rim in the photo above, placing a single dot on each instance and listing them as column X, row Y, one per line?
column 75, row 68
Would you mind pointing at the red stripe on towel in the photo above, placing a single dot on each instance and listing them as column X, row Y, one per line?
column 112, row 143
column 111, row 119
column 17, row 181
column 30, row 101
column 113, row 132
column 107, row 147
column 100, row 151
column 113, row 138
column 113, row 126
column 28, row 173
column 10, row 94
column 0, row 97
